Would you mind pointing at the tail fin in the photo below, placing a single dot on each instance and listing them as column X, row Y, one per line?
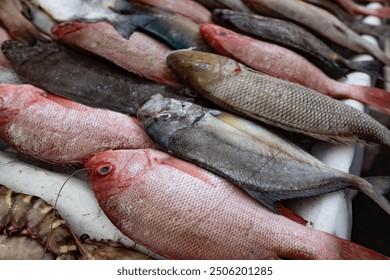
column 376, row 188
column 352, row 251
column 370, row 67
column 375, row 97
column 127, row 24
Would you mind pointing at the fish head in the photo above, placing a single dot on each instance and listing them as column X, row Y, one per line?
column 199, row 70
column 162, row 117
column 112, row 172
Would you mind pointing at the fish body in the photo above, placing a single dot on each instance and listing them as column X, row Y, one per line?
column 259, row 161
column 285, row 64
column 353, row 8
column 236, row 5
column 379, row 31
column 187, row 8
column 104, row 85
column 8, row 76
column 191, row 213
column 73, row 132
column 140, row 54
column 22, row 248
column 320, row 22
column 296, row 38
column 258, row 96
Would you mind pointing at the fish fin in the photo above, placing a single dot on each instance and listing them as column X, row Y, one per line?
column 263, row 199
column 370, row 67
column 127, row 24
column 121, row 6
column 284, row 211
column 375, row 97
column 352, row 251
column 375, row 188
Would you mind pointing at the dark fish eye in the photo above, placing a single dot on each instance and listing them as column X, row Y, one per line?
column 202, row 66
column 104, row 169
column 164, row 116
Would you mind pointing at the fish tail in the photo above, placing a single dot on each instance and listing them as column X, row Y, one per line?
column 383, row 12
column 127, row 24
column 352, row 251
column 375, row 97
column 376, row 188
column 370, row 67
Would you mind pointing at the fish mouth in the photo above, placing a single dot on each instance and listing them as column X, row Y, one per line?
column 150, row 109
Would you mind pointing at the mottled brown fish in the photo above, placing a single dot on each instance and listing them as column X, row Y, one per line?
column 240, row 89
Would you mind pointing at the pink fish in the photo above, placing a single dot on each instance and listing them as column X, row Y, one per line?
column 355, row 9
column 140, row 54
column 187, row 8
column 285, row 64
column 57, row 130
column 181, row 211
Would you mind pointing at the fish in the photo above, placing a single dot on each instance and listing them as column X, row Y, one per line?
column 4, row 37
column 56, row 68
column 90, row 11
column 354, row 9
column 320, row 22
column 296, row 38
column 201, row 208
column 140, row 54
column 14, row 21
column 32, row 216
column 285, row 64
column 57, row 130
column 261, row 97
column 187, row 8
column 378, row 31
column 236, row 5
column 244, row 153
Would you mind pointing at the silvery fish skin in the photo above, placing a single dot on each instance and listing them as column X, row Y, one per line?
column 57, row 69
column 293, row 107
column 236, row 5
column 259, row 161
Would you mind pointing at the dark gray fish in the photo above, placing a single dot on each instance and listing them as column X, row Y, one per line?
column 81, row 77
column 259, row 161
column 264, row 98
column 360, row 27
column 298, row 39
column 236, row 5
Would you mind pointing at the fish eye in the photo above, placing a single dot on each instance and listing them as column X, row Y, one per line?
column 104, row 169
column 164, row 116
column 202, row 66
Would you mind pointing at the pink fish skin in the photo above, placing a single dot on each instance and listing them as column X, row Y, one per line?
column 140, row 54
column 285, row 64
column 181, row 211
column 187, row 8
column 57, row 130
column 356, row 9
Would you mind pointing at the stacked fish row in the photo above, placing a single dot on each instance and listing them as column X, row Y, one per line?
column 173, row 207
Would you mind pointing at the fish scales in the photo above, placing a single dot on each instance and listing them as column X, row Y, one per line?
column 259, row 161
column 193, row 214
column 239, row 89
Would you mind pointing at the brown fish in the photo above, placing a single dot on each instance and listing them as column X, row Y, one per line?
column 240, row 89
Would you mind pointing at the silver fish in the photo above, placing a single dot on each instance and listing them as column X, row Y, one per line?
column 259, row 161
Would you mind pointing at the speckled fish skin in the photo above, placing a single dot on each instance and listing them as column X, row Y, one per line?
column 243, row 152
column 187, row 8
column 285, row 64
column 191, row 213
column 57, row 69
column 319, row 21
column 239, row 89
column 73, row 133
